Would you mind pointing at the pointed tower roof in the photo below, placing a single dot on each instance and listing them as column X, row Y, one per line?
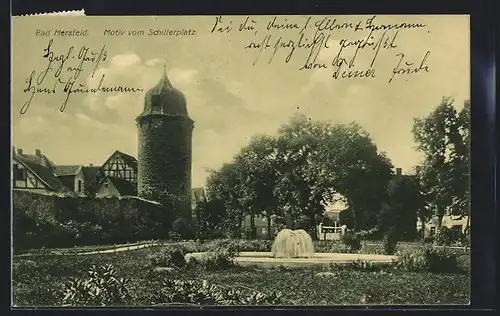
column 164, row 99
column 164, row 84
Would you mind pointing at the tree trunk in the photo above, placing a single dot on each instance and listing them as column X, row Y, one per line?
column 440, row 222
column 422, row 220
column 240, row 224
column 269, row 233
column 467, row 225
column 354, row 219
column 252, row 226
column 440, row 215
column 313, row 229
column 288, row 221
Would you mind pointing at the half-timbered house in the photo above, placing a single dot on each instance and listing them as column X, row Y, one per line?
column 118, row 176
column 34, row 173
column 120, row 166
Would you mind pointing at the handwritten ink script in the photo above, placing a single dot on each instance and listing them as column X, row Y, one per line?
column 313, row 35
column 62, row 71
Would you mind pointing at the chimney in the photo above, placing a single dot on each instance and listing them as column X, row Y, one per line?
column 399, row 171
column 38, row 152
column 19, row 151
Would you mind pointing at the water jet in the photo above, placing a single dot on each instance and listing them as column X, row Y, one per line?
column 292, row 244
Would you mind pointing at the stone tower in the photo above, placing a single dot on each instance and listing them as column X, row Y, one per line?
column 165, row 146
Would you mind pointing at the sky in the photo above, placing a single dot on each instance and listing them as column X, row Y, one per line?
column 230, row 97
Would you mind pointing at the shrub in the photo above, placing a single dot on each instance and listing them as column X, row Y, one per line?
column 371, row 234
column 174, row 236
column 218, row 260
column 351, row 240
column 257, row 245
column 340, row 248
column 101, row 288
column 440, row 260
column 190, row 292
column 183, row 228
column 20, row 267
column 429, row 259
column 188, row 246
column 232, row 247
column 233, row 296
column 172, row 257
column 331, row 246
column 445, row 236
column 175, row 292
column 358, row 265
column 429, row 239
column 390, row 242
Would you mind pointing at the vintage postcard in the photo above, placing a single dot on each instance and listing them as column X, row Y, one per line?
column 162, row 161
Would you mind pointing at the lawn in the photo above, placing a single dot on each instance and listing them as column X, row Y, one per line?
column 78, row 249
column 38, row 281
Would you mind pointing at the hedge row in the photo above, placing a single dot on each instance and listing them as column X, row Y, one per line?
column 63, row 221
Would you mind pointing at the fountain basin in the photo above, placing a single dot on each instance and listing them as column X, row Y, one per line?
column 266, row 259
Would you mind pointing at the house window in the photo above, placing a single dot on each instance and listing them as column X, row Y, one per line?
column 79, row 186
column 264, row 231
column 433, row 231
column 20, row 173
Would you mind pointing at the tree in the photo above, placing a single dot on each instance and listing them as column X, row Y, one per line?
column 401, row 211
column 424, row 210
column 318, row 160
column 361, row 173
column 443, row 137
column 303, row 184
column 259, row 175
column 210, row 218
column 293, row 175
column 225, row 185
column 346, row 218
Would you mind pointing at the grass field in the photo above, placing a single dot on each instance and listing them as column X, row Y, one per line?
column 38, row 281
column 78, row 249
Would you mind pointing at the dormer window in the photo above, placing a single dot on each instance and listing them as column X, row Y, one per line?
column 155, row 100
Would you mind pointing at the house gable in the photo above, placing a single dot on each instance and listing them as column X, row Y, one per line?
column 122, row 166
column 106, row 188
column 24, row 178
column 110, row 186
column 44, row 174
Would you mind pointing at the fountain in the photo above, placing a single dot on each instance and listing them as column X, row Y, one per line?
column 296, row 248
column 292, row 244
